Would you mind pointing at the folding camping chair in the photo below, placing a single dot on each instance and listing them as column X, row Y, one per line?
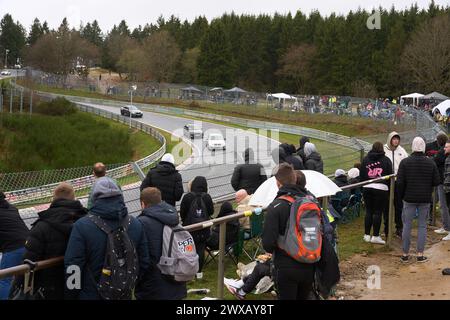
column 252, row 237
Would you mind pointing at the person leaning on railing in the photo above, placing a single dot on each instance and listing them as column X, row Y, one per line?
column 13, row 234
column 48, row 239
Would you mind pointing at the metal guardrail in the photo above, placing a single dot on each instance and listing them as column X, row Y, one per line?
column 45, row 191
column 25, row 268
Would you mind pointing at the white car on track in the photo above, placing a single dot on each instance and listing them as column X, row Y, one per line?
column 215, row 141
column 5, row 73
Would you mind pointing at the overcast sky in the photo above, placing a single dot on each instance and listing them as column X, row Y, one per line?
column 140, row 12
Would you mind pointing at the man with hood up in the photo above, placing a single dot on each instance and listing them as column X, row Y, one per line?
column 197, row 199
column 301, row 149
column 291, row 157
column 167, row 179
column 313, row 158
column 248, row 176
column 396, row 153
column 155, row 215
column 87, row 243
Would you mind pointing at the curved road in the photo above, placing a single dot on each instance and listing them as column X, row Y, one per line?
column 216, row 166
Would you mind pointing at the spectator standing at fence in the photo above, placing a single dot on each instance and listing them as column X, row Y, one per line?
column 293, row 279
column 197, row 206
column 434, row 147
column 445, row 187
column 417, row 175
column 291, row 156
column 301, row 148
column 87, row 245
column 396, row 153
column 167, row 179
column 313, row 158
column 155, row 215
column 13, row 234
column 98, row 171
column 48, row 239
column 376, row 195
column 435, row 150
column 250, row 175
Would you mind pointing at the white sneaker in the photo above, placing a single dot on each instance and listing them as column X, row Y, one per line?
column 366, row 238
column 199, row 275
column 232, row 283
column 447, row 238
column 441, row 231
column 377, row 240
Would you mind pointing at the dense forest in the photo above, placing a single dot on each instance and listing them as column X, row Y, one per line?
column 301, row 53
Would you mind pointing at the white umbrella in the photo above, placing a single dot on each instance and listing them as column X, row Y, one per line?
column 316, row 183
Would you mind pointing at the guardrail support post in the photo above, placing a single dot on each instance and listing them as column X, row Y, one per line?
column 221, row 271
column 391, row 213
column 138, row 170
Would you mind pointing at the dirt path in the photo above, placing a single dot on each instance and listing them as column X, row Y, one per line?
column 399, row 281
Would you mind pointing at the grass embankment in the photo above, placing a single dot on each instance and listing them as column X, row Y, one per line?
column 345, row 125
column 43, row 142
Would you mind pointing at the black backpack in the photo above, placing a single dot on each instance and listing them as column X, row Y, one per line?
column 120, row 269
column 198, row 213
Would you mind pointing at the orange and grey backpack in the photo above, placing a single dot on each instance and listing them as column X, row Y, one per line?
column 302, row 239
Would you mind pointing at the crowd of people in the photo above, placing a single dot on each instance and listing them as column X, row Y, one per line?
column 89, row 238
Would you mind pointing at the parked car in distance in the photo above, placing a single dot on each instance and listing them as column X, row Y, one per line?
column 135, row 112
column 193, row 131
column 5, row 73
column 215, row 141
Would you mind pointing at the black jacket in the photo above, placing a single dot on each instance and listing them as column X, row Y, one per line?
column 314, row 162
column 291, row 157
column 48, row 238
column 375, row 165
column 275, row 225
column 13, row 231
column 87, row 245
column 248, row 176
column 439, row 159
column 167, row 179
column 199, row 187
column 232, row 228
column 417, row 175
column 152, row 285
column 300, row 150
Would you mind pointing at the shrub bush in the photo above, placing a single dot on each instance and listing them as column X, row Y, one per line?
column 56, row 107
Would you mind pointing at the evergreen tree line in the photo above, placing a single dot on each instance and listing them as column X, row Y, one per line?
column 299, row 54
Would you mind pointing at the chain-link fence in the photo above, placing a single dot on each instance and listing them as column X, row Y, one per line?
column 375, row 109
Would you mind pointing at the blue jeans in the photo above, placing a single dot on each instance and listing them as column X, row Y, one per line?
column 9, row 260
column 409, row 212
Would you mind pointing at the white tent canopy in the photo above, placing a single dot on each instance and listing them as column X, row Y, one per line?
column 442, row 107
column 316, row 183
column 281, row 96
column 414, row 96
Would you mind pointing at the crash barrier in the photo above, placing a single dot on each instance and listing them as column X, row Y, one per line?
column 85, row 182
column 222, row 222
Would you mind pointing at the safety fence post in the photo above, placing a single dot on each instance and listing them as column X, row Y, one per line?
column 221, row 273
column 391, row 213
